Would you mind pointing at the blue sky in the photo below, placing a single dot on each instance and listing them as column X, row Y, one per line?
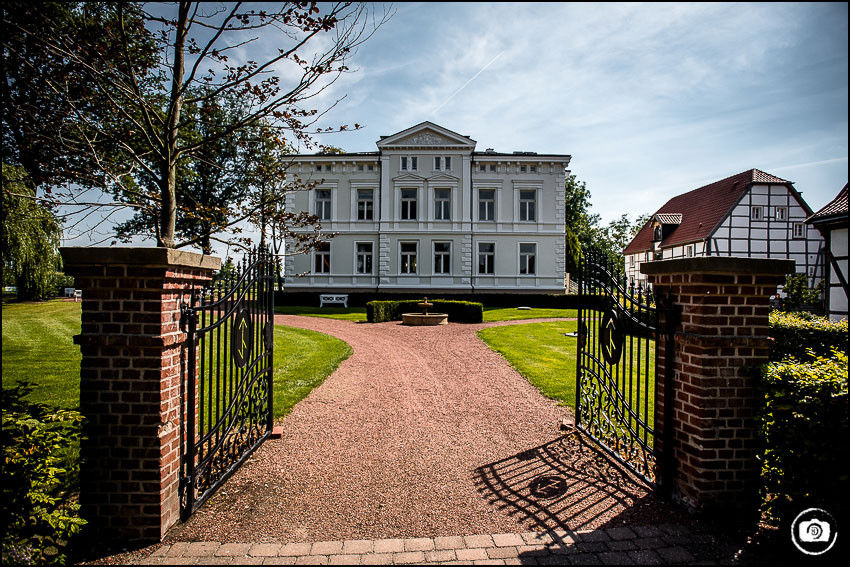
column 650, row 100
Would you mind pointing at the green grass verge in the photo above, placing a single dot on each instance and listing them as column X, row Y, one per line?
column 541, row 353
column 343, row 313
column 302, row 361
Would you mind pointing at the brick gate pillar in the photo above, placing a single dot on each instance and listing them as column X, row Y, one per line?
column 722, row 335
column 130, row 389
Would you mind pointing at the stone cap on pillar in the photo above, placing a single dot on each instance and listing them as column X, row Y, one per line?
column 137, row 256
column 719, row 265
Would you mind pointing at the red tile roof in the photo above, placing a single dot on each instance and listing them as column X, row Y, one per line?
column 701, row 209
column 836, row 207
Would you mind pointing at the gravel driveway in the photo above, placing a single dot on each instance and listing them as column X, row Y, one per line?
column 422, row 432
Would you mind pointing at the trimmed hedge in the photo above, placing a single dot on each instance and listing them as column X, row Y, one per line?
column 805, row 430
column 458, row 311
column 804, row 336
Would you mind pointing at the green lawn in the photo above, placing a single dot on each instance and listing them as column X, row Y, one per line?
column 490, row 313
column 38, row 347
column 347, row 314
column 514, row 314
column 541, row 353
column 547, row 359
column 302, row 361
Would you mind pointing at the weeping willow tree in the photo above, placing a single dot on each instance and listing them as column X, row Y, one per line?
column 30, row 238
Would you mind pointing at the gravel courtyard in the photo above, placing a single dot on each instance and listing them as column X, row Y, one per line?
column 422, row 432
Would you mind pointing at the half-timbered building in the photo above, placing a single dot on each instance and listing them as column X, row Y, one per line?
column 426, row 212
column 752, row 214
column 832, row 221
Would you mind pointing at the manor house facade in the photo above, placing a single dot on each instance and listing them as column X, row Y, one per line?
column 426, row 212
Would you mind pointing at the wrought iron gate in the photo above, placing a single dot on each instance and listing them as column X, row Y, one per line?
column 616, row 365
column 227, row 381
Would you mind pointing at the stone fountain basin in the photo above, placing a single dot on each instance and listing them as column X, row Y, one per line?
column 422, row 320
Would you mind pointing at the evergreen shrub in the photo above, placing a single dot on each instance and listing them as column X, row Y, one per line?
column 804, row 426
column 805, row 336
column 458, row 311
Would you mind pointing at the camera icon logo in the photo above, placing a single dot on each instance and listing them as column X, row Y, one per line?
column 814, row 531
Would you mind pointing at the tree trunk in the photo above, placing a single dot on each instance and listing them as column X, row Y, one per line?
column 168, row 190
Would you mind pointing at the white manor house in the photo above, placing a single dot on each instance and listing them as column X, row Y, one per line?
column 426, row 212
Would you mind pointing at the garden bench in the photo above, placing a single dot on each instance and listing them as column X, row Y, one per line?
column 333, row 298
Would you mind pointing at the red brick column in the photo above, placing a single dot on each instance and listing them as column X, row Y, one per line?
column 722, row 335
column 130, row 387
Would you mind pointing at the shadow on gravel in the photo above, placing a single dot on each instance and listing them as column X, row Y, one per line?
column 567, row 483
column 570, row 484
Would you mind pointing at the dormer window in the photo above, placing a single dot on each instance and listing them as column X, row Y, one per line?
column 657, row 234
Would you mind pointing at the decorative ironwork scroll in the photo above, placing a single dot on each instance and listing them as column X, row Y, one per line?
column 615, row 370
column 227, row 382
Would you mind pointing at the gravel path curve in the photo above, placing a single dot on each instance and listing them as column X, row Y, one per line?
column 422, row 432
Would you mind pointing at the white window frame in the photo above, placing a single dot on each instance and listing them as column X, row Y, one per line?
column 366, row 209
column 689, row 251
column 490, row 255
column 532, row 209
column 328, row 202
column 317, row 254
column 446, row 258
column 403, row 200
column 443, row 206
column 798, row 231
column 409, row 163
column 402, row 254
column 757, row 213
column 370, row 255
column 781, row 213
column 523, row 259
column 491, row 201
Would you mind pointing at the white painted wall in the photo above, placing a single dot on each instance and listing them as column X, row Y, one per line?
column 464, row 230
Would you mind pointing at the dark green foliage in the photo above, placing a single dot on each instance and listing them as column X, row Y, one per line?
column 800, row 296
column 40, row 518
column 458, row 311
column 805, row 432
column 805, row 336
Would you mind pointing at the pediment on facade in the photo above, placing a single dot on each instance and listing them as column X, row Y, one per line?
column 443, row 177
column 409, row 177
column 426, row 134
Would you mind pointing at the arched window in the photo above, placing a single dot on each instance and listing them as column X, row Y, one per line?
column 657, row 232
